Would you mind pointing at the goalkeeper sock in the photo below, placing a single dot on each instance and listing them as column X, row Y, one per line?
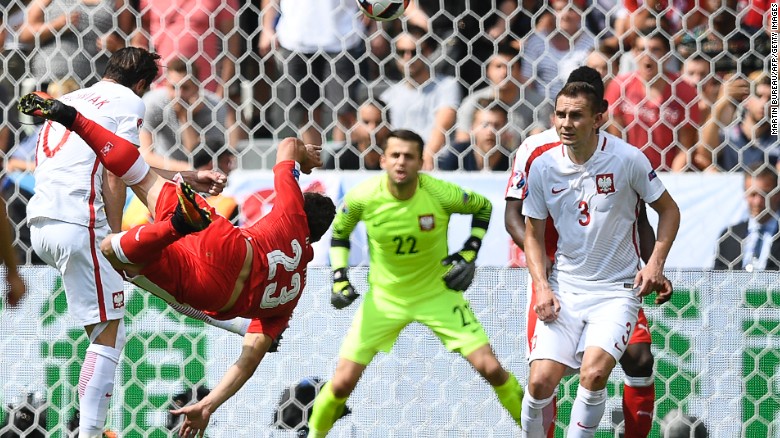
column 144, row 243
column 118, row 155
column 638, row 404
column 235, row 325
column 587, row 412
column 532, row 421
column 510, row 394
column 96, row 385
column 326, row 410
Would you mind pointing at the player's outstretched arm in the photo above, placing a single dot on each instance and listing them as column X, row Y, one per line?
column 203, row 181
column 197, row 416
column 307, row 155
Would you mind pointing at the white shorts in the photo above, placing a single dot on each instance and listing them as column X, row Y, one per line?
column 585, row 320
column 94, row 290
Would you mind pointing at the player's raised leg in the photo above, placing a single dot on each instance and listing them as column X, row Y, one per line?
column 118, row 155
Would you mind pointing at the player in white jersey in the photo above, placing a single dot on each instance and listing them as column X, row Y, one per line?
column 77, row 203
column 591, row 187
column 637, row 362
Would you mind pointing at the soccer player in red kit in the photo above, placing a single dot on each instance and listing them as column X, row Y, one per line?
column 194, row 256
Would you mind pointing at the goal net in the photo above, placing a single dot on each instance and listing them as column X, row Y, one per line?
column 715, row 345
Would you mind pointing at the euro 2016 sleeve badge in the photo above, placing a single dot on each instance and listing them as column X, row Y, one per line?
column 427, row 222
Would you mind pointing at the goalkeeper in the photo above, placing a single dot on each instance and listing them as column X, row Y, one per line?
column 412, row 277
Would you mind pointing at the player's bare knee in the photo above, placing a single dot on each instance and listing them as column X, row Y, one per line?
column 594, row 377
column 540, row 387
column 638, row 360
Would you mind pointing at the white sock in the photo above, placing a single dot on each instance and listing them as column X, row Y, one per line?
column 548, row 413
column 587, row 412
column 96, row 386
column 532, row 418
column 235, row 325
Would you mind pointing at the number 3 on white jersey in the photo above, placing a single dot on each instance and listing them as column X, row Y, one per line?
column 287, row 293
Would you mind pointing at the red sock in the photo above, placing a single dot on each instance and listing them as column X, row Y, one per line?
column 638, row 404
column 143, row 243
column 118, row 155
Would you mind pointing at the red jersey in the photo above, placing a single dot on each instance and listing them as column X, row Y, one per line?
column 201, row 269
column 650, row 125
column 282, row 251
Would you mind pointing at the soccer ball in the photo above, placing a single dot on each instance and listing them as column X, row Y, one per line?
column 383, row 10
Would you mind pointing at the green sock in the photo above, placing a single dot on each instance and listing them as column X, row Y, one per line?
column 327, row 409
column 510, row 394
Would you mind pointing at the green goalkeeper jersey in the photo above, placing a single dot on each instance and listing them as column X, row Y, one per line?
column 407, row 239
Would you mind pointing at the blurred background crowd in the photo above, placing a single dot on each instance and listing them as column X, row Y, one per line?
column 687, row 80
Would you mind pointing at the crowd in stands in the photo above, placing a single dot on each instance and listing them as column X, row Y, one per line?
column 686, row 81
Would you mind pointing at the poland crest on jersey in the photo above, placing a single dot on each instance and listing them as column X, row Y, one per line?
column 605, row 183
column 427, row 222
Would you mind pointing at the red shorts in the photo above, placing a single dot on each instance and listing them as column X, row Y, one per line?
column 641, row 333
column 199, row 269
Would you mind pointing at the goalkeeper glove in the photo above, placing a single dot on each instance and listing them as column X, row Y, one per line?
column 343, row 294
column 462, row 265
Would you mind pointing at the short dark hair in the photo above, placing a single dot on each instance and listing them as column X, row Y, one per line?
column 652, row 33
column 590, row 76
column 492, row 106
column 407, row 135
column 179, row 65
column 576, row 89
column 320, row 212
column 761, row 169
column 130, row 65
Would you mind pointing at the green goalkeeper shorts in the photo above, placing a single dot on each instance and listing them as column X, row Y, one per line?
column 380, row 319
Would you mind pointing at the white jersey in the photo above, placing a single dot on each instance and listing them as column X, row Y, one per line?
column 68, row 176
column 594, row 207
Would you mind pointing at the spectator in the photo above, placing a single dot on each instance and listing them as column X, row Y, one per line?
column 486, row 151
column 181, row 119
column 722, row 40
column 14, row 53
column 205, row 33
column 651, row 108
column 481, row 25
column 754, row 244
column 422, row 102
column 551, row 55
column 318, row 46
column 74, row 38
column 507, row 86
column 202, row 32
column 606, row 61
column 368, row 138
column 697, row 72
column 735, row 145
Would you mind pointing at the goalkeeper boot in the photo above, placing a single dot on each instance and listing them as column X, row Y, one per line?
column 40, row 104
column 189, row 217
